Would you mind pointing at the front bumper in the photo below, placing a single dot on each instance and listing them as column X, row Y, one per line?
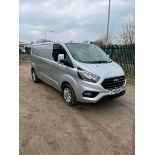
column 96, row 87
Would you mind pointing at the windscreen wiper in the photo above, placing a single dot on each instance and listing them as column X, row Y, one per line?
column 100, row 61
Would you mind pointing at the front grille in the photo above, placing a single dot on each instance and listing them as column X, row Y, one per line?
column 112, row 83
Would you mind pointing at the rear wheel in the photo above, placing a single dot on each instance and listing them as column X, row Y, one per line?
column 35, row 79
column 68, row 95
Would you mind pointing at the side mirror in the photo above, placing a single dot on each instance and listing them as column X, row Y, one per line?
column 66, row 62
column 60, row 57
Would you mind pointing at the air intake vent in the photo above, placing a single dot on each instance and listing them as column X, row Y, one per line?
column 112, row 83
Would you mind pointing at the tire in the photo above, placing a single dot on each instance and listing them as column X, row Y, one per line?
column 35, row 79
column 68, row 95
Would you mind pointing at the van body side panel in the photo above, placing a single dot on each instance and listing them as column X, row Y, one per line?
column 42, row 59
column 49, row 73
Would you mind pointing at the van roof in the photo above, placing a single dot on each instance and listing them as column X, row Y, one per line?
column 51, row 42
column 45, row 43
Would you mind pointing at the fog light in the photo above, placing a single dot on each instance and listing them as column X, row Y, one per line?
column 90, row 94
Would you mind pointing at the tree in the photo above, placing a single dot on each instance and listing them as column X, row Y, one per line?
column 127, row 35
column 102, row 41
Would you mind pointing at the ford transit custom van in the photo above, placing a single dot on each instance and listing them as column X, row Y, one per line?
column 81, row 72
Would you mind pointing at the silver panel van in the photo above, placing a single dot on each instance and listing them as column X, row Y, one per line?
column 80, row 71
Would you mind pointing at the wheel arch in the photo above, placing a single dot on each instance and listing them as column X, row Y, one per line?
column 63, row 83
column 33, row 67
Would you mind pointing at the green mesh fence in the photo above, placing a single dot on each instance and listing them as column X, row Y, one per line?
column 123, row 55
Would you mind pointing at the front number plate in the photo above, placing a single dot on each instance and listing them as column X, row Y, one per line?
column 116, row 91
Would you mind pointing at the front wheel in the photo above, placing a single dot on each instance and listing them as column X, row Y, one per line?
column 35, row 79
column 68, row 95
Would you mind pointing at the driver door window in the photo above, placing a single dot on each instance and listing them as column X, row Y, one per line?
column 58, row 49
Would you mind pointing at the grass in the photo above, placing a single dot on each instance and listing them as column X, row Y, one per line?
column 130, row 78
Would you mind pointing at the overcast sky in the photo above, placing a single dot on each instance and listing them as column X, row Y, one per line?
column 72, row 20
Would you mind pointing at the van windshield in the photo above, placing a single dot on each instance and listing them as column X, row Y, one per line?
column 87, row 53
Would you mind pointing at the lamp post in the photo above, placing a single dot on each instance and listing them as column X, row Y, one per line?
column 107, row 37
column 46, row 32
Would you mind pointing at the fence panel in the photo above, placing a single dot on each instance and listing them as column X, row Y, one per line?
column 123, row 55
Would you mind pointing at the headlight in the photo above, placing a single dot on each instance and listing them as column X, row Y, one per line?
column 87, row 76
